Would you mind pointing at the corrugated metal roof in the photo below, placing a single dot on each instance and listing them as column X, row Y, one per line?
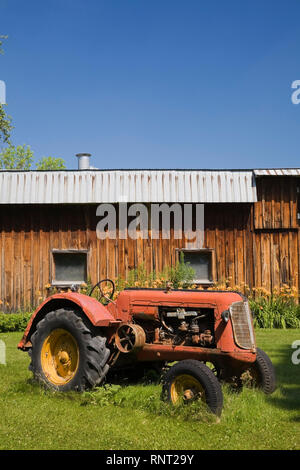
column 110, row 186
column 277, row 172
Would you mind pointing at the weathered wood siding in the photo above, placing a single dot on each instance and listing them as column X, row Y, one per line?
column 30, row 233
column 276, row 232
column 256, row 244
column 277, row 202
column 228, row 232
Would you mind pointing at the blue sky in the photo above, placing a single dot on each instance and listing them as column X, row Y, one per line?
column 154, row 83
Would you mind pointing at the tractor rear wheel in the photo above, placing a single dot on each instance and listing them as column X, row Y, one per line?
column 65, row 354
column 191, row 380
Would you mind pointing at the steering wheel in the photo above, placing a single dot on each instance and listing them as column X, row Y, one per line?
column 108, row 298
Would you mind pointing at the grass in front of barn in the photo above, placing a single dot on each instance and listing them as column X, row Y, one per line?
column 133, row 417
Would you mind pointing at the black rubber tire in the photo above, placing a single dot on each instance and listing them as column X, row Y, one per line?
column 93, row 353
column 264, row 372
column 204, row 375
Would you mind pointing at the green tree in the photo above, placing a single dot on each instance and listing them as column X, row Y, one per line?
column 5, row 126
column 20, row 157
column 2, row 37
column 50, row 163
column 16, row 158
column 5, row 121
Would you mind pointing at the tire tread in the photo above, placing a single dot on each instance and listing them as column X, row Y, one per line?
column 94, row 369
column 213, row 390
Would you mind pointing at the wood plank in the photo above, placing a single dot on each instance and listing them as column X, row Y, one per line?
column 265, row 256
column 293, row 259
column 286, row 213
column 293, row 203
column 8, row 267
column 258, row 206
column 284, row 258
column 230, row 253
column 256, row 260
column 275, row 261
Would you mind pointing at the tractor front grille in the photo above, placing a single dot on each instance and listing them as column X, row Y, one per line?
column 242, row 325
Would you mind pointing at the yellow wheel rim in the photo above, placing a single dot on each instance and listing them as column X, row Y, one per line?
column 185, row 388
column 60, row 357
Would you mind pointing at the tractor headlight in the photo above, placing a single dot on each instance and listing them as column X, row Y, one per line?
column 225, row 316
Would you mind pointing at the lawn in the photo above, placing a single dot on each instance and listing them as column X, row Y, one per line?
column 133, row 417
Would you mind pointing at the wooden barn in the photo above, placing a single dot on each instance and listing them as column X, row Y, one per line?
column 48, row 222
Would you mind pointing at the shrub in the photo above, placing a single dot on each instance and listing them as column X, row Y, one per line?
column 180, row 276
column 275, row 312
column 276, row 309
column 14, row 321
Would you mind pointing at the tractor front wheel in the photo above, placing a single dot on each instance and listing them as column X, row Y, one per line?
column 65, row 355
column 191, row 380
column 261, row 374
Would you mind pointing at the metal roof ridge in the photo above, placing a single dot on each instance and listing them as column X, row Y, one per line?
column 96, row 170
column 99, row 170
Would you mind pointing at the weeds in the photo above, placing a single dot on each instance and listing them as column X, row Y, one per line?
column 102, row 396
column 127, row 397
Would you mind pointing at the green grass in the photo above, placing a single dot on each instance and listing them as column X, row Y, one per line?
column 133, row 417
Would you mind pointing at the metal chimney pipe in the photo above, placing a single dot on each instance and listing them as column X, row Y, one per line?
column 83, row 161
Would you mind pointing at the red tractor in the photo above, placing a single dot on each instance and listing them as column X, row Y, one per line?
column 74, row 340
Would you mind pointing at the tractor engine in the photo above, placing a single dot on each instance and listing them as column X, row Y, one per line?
column 179, row 326
column 186, row 327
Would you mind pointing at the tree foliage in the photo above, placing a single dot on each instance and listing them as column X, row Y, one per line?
column 16, row 158
column 5, row 121
column 21, row 157
column 2, row 37
column 50, row 163
column 5, row 126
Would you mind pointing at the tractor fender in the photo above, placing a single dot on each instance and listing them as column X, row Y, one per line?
column 97, row 313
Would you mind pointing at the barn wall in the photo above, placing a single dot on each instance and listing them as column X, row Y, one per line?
column 277, row 203
column 276, row 258
column 29, row 233
column 242, row 253
column 276, row 232
column 228, row 231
